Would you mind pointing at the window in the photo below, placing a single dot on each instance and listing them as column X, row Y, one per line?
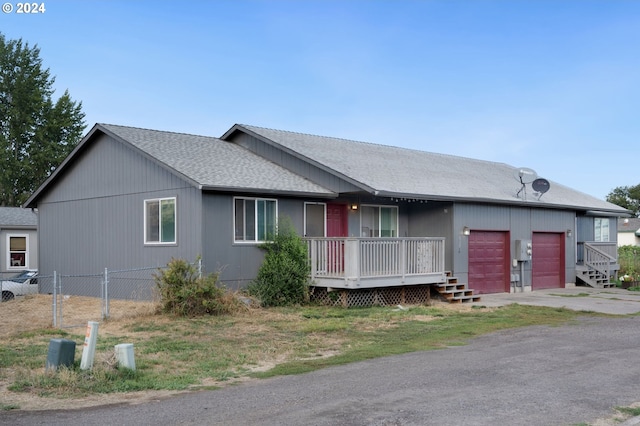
column 601, row 231
column 379, row 221
column 254, row 219
column 314, row 219
column 17, row 255
column 160, row 221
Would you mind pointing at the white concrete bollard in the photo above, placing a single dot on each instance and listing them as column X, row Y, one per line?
column 125, row 357
column 89, row 349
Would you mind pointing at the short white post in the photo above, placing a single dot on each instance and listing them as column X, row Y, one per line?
column 89, row 349
column 125, row 357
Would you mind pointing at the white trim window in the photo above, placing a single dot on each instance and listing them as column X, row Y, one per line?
column 160, row 221
column 379, row 221
column 315, row 219
column 255, row 219
column 601, row 229
column 17, row 251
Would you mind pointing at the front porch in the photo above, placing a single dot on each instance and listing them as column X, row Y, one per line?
column 364, row 263
column 597, row 263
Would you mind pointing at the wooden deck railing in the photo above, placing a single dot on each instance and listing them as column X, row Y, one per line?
column 367, row 262
column 596, row 257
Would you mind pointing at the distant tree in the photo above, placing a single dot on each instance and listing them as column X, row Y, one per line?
column 36, row 132
column 627, row 197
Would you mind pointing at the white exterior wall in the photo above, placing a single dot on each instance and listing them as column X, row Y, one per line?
column 628, row 239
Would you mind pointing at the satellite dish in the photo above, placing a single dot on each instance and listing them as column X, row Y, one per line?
column 541, row 186
column 525, row 175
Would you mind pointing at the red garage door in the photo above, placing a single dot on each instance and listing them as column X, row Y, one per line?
column 547, row 260
column 488, row 262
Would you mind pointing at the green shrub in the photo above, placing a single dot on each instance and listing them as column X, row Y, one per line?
column 185, row 293
column 284, row 274
column 629, row 259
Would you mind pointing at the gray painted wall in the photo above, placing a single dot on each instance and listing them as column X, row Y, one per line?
column 94, row 218
column 520, row 222
column 237, row 263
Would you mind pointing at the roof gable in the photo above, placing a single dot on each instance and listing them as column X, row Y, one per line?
column 206, row 162
column 401, row 172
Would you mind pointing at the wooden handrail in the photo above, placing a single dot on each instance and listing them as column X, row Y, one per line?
column 355, row 258
column 597, row 259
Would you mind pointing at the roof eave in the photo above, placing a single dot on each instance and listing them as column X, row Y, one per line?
column 243, row 190
column 514, row 202
column 31, row 227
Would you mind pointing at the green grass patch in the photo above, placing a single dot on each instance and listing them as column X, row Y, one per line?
column 630, row 411
column 571, row 295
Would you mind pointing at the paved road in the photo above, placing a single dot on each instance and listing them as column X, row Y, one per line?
column 529, row 376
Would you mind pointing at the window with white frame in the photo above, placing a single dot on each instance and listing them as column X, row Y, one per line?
column 379, row 221
column 160, row 221
column 255, row 219
column 315, row 219
column 18, row 251
column 601, row 229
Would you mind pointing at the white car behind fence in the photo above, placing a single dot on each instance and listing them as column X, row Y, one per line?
column 25, row 282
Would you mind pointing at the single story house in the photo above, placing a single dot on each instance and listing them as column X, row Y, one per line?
column 374, row 216
column 629, row 231
column 18, row 240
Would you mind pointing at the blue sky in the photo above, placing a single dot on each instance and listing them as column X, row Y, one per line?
column 549, row 85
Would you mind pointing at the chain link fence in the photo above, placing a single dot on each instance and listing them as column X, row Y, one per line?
column 67, row 300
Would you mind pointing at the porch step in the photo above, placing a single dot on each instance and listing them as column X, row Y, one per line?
column 593, row 278
column 455, row 292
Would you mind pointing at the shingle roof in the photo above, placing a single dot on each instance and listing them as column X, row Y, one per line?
column 398, row 171
column 17, row 217
column 214, row 163
column 629, row 225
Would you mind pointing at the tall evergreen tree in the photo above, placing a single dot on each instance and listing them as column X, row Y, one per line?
column 36, row 132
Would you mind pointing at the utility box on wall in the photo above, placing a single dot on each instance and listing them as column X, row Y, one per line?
column 524, row 250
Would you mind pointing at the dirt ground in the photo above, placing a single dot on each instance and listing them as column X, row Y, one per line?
column 76, row 312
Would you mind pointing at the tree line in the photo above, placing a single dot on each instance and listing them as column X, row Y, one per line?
column 36, row 131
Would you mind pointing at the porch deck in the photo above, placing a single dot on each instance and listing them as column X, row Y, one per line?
column 360, row 263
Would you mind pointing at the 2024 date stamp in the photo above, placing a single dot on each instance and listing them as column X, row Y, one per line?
column 32, row 8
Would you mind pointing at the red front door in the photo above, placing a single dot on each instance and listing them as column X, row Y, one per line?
column 337, row 220
column 336, row 227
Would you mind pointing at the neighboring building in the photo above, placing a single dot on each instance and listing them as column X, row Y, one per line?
column 376, row 216
column 629, row 231
column 18, row 240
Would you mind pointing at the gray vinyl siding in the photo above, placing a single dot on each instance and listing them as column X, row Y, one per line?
column 93, row 218
column 288, row 161
column 519, row 222
column 237, row 263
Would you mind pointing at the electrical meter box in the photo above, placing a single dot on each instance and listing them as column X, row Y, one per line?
column 523, row 250
column 61, row 353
